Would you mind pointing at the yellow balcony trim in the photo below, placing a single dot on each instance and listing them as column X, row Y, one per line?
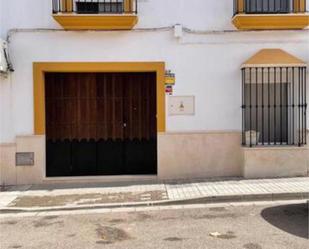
column 270, row 22
column 96, row 21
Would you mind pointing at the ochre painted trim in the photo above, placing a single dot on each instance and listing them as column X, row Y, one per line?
column 67, row 5
column 96, row 21
column 241, row 6
column 273, row 56
column 300, row 6
column 40, row 68
column 270, row 22
column 128, row 6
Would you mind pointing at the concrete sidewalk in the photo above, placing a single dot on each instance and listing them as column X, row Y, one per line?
column 84, row 196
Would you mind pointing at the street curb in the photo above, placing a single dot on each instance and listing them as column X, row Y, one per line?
column 199, row 200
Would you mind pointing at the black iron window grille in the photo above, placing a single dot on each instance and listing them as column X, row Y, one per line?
column 95, row 6
column 269, row 6
column 274, row 106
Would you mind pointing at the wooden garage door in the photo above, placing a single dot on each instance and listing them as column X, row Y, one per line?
column 100, row 124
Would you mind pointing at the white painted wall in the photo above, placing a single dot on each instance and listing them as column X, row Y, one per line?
column 195, row 14
column 1, row 19
column 206, row 65
column 7, row 131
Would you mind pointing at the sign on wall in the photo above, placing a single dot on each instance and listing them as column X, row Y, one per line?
column 170, row 78
column 169, row 90
column 170, row 81
column 181, row 105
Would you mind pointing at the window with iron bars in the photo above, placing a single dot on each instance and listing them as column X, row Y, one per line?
column 274, row 106
column 99, row 7
column 268, row 6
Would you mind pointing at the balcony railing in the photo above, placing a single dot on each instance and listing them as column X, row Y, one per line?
column 269, row 6
column 94, row 6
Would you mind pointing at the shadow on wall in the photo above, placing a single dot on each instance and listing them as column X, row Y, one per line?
column 292, row 219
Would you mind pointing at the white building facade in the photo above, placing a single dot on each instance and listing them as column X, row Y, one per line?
column 204, row 43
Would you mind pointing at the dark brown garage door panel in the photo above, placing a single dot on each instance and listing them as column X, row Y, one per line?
column 101, row 123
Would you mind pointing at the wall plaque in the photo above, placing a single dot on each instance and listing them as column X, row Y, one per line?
column 24, row 158
column 181, row 105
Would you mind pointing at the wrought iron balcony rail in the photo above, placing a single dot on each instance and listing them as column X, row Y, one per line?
column 269, row 6
column 94, row 6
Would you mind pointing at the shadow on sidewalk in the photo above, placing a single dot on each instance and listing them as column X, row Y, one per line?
column 292, row 219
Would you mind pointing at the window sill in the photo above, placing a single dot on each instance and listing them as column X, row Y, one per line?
column 96, row 21
column 271, row 21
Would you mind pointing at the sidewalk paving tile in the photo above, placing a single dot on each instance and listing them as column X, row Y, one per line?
column 177, row 190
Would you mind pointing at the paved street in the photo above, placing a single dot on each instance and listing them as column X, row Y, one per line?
column 282, row 225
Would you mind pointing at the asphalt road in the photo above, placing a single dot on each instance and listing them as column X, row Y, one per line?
column 282, row 226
